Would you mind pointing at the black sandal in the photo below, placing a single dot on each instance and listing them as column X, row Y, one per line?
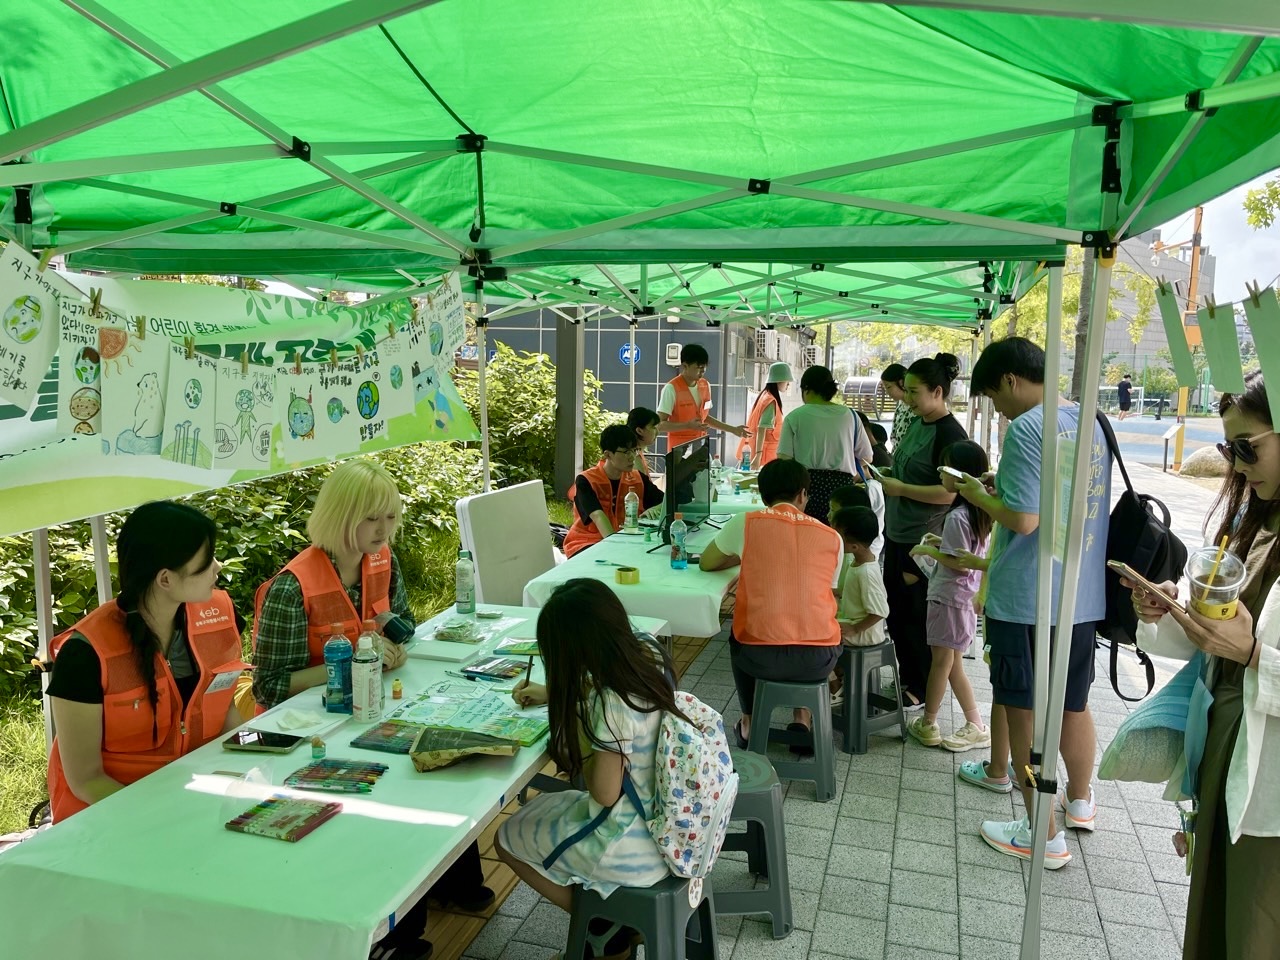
column 800, row 749
column 738, row 738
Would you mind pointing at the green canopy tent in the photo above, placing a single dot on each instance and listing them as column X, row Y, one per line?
column 377, row 143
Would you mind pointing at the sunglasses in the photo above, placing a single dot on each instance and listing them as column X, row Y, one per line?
column 1241, row 448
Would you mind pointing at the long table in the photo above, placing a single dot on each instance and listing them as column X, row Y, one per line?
column 152, row 870
column 689, row 600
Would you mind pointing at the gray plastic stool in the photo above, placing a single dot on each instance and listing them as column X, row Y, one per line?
column 773, row 695
column 759, row 803
column 671, row 929
column 865, row 709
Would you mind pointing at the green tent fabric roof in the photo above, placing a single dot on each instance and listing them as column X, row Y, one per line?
column 670, row 132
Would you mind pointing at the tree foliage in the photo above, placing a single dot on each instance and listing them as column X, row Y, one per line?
column 1262, row 203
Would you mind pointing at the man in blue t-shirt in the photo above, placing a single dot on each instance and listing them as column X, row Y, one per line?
column 1011, row 373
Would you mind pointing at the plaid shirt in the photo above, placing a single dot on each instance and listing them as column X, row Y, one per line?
column 281, row 632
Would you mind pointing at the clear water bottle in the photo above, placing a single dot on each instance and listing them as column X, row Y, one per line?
column 717, row 470
column 337, row 666
column 632, row 507
column 745, row 466
column 464, row 582
column 679, row 552
column 366, row 677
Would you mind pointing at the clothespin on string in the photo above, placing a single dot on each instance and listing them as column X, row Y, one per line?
column 1213, row 308
column 391, row 330
column 244, row 362
column 95, row 302
column 360, row 353
column 1162, row 285
column 45, row 257
column 297, row 362
column 140, row 326
column 190, row 344
column 333, row 358
column 1254, row 291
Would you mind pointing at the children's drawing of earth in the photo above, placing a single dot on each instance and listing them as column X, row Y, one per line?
column 367, row 400
column 192, row 393
column 244, row 400
column 436, row 334
column 336, row 410
column 397, row 377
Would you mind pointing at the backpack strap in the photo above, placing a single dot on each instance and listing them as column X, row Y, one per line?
column 628, row 790
column 1147, row 665
column 857, row 464
column 1114, row 447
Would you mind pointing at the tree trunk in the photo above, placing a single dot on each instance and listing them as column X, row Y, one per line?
column 1087, row 272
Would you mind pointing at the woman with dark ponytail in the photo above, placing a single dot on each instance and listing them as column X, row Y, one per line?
column 149, row 676
column 916, row 503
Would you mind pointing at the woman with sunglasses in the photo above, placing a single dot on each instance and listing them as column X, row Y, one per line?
column 1233, row 911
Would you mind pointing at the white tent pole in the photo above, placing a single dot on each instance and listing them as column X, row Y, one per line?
column 482, row 356
column 631, row 367
column 1047, row 727
column 988, row 409
column 44, row 617
column 101, row 557
column 972, row 418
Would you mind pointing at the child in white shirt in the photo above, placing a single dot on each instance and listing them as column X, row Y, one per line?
column 864, row 603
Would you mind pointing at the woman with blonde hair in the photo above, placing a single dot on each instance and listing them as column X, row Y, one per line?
column 347, row 575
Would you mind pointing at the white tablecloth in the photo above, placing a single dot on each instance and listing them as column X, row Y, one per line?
column 689, row 600
column 151, row 870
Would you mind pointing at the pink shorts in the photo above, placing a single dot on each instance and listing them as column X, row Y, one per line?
column 950, row 627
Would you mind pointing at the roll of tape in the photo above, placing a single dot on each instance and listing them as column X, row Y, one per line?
column 627, row 575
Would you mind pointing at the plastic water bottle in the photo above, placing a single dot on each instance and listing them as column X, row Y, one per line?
column 745, row 466
column 464, row 582
column 717, row 469
column 366, row 677
column 632, row 506
column 679, row 553
column 337, row 666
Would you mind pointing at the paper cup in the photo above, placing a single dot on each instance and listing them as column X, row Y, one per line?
column 1216, row 600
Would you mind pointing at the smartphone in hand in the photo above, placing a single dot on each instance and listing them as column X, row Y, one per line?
column 951, row 472
column 1133, row 576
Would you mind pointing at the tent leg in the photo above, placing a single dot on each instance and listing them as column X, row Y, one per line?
column 482, row 357
column 44, row 618
column 631, row 367
column 972, row 417
column 570, row 345
column 988, row 408
column 101, row 557
column 1047, row 730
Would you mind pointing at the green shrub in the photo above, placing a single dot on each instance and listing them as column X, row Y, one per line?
column 22, row 764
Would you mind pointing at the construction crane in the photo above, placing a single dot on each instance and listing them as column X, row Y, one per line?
column 1190, row 322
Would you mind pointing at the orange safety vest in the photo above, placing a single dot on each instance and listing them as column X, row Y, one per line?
column 688, row 408
column 768, row 441
column 325, row 598
column 584, row 533
column 784, row 590
column 129, row 749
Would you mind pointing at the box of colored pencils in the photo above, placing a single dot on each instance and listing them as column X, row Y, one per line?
column 284, row 818
column 335, row 775
column 390, row 736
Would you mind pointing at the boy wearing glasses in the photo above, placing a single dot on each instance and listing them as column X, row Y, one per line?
column 1011, row 373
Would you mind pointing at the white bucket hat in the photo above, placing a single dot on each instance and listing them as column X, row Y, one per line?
column 780, row 373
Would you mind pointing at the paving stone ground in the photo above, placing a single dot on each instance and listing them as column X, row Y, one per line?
column 894, row 869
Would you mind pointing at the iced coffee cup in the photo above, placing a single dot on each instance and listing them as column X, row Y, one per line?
column 1215, row 598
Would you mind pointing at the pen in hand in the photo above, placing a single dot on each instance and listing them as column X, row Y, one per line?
column 528, row 672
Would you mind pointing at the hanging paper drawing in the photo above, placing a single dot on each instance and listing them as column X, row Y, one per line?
column 29, row 307
column 300, row 417
column 79, row 371
column 389, row 362
column 135, row 376
column 243, row 416
column 326, row 411
column 191, row 422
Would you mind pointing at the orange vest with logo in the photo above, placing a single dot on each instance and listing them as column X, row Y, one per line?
column 325, row 599
column 688, row 408
column 789, row 561
column 137, row 740
column 582, row 535
column 765, row 444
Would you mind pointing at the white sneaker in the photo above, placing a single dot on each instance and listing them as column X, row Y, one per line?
column 968, row 737
column 1014, row 838
column 1079, row 814
column 929, row 734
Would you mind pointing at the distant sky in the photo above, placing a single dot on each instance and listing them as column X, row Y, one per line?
column 1244, row 254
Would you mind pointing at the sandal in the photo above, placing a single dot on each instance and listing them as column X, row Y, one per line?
column 738, row 738
column 800, row 749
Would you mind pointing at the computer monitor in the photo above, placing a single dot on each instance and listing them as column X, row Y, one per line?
column 688, row 485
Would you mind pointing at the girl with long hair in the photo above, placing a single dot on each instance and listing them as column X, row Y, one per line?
column 1232, row 909
column 951, row 622
column 606, row 691
column 765, row 421
column 131, row 681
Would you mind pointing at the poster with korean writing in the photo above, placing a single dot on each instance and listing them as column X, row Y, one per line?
column 436, row 332
column 244, row 414
column 392, row 365
column 135, row 378
column 327, row 410
column 28, row 325
column 190, row 423
column 79, row 371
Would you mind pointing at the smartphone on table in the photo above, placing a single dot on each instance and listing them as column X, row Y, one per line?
column 1133, row 576
column 261, row 741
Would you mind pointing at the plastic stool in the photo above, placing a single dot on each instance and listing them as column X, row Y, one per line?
column 772, row 695
column 865, row 709
column 670, row 927
column 759, row 803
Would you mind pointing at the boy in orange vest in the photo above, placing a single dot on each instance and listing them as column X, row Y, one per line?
column 685, row 404
column 784, row 622
column 599, row 492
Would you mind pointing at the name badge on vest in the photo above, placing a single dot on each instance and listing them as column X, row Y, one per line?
column 224, row 680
